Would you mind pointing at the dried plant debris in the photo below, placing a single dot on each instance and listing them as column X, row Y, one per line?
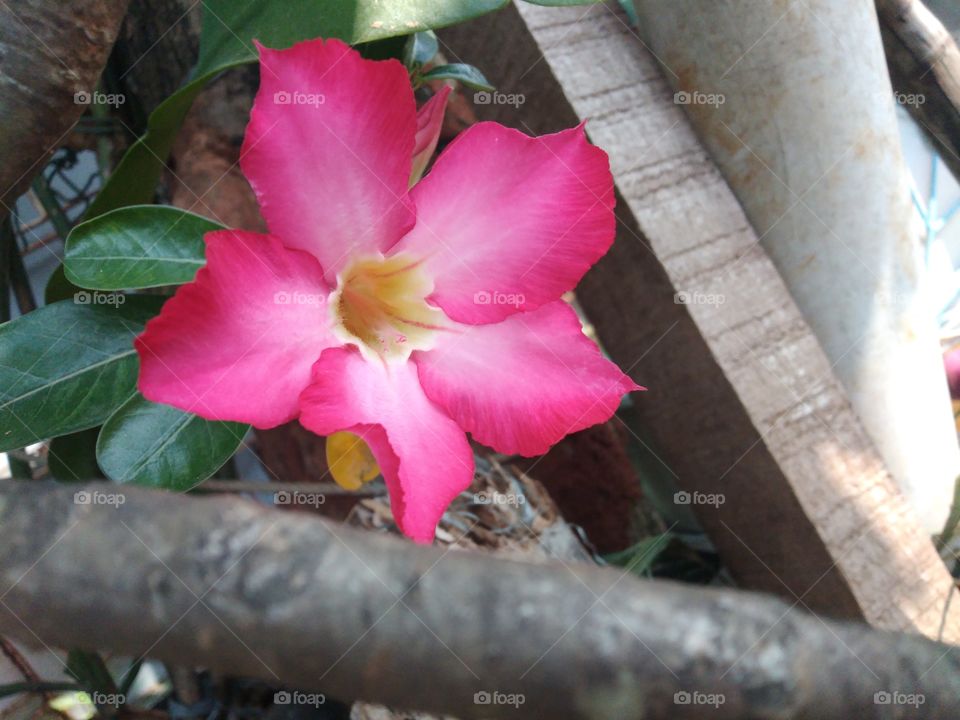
column 504, row 511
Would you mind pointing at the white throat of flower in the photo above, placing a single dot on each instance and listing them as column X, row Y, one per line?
column 380, row 306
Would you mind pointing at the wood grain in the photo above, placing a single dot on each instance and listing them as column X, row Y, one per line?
column 742, row 399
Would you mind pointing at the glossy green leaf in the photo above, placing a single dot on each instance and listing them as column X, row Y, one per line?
column 135, row 178
column 461, row 72
column 91, row 671
column 58, row 287
column 231, row 25
column 141, row 246
column 226, row 40
column 68, row 366
column 420, row 48
column 146, row 443
column 73, row 457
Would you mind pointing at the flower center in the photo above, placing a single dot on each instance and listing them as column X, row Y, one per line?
column 380, row 305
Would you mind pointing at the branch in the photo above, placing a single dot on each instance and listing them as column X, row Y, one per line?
column 924, row 62
column 50, row 51
column 248, row 590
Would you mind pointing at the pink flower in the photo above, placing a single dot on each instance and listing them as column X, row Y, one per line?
column 407, row 317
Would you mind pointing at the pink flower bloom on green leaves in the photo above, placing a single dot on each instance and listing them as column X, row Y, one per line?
column 408, row 313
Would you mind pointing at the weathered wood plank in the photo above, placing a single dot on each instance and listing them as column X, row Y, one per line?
column 742, row 399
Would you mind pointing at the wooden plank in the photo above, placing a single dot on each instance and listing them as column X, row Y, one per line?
column 742, row 399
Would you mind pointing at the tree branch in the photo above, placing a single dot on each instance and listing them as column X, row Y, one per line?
column 248, row 590
column 50, row 51
column 924, row 62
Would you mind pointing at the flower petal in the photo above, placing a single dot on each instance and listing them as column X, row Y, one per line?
column 423, row 455
column 521, row 385
column 509, row 222
column 238, row 342
column 429, row 122
column 328, row 150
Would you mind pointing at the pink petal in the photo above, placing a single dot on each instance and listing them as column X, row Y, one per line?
column 328, row 150
column 509, row 222
column 521, row 385
column 238, row 342
column 429, row 122
column 423, row 455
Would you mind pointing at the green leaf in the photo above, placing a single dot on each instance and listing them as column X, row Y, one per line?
column 639, row 558
column 141, row 246
column 91, row 671
column 73, row 457
column 229, row 26
column 67, row 366
column 135, row 178
column 226, row 40
column 58, row 287
column 146, row 443
column 420, row 49
column 466, row 74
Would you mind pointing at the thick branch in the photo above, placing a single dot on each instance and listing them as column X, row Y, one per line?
column 248, row 590
column 924, row 64
column 50, row 52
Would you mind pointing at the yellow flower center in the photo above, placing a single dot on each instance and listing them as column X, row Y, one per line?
column 380, row 306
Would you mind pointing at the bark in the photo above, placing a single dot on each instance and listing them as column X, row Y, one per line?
column 50, row 52
column 924, row 63
column 247, row 590
column 742, row 400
